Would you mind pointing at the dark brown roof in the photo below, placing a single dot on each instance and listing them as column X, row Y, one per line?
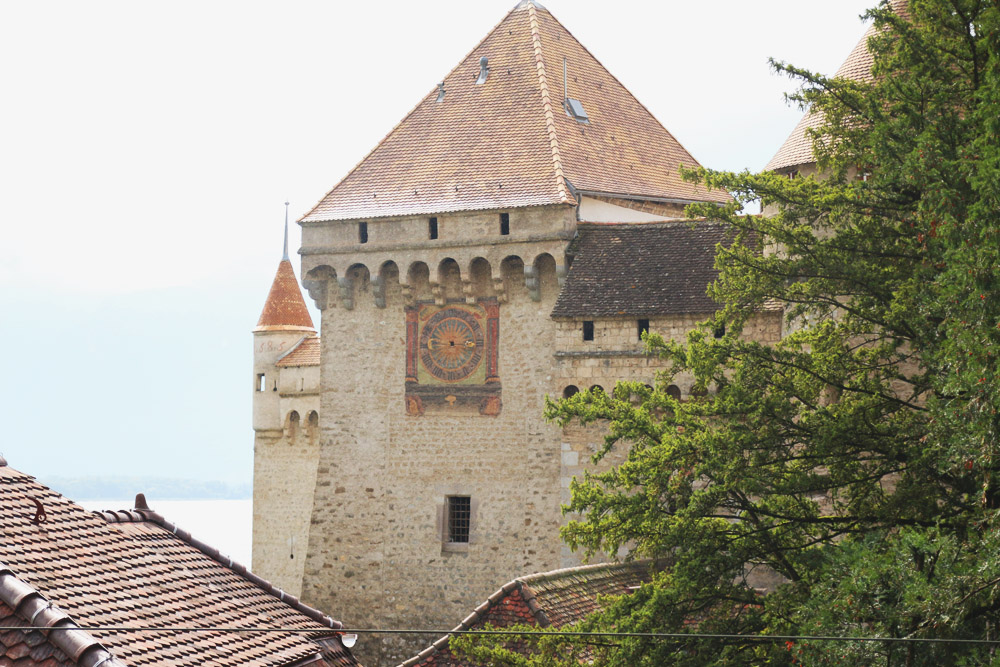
column 509, row 142
column 134, row 569
column 798, row 147
column 550, row 599
column 285, row 309
column 641, row 269
column 305, row 353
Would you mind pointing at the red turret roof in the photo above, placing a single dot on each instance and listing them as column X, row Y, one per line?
column 285, row 308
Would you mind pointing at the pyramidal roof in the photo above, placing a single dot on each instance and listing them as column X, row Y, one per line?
column 798, row 147
column 509, row 142
column 285, row 309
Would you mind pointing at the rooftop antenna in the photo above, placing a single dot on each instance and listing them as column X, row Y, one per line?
column 284, row 255
column 565, row 82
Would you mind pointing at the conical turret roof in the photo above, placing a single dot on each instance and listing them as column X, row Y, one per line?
column 509, row 142
column 798, row 147
column 285, row 309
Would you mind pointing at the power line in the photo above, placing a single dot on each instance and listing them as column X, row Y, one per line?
column 523, row 633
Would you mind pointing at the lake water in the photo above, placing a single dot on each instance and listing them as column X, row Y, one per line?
column 226, row 525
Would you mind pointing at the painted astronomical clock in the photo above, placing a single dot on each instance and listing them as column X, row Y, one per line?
column 451, row 357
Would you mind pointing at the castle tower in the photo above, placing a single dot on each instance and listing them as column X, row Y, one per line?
column 437, row 264
column 286, row 429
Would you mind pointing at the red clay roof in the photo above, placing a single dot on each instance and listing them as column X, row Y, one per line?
column 509, row 142
column 305, row 353
column 554, row 598
column 134, row 569
column 285, row 308
column 798, row 147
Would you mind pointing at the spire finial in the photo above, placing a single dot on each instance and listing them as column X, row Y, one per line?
column 284, row 255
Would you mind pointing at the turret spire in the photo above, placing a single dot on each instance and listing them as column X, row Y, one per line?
column 284, row 255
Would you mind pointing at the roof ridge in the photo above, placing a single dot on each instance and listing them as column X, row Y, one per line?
column 151, row 516
column 407, row 116
column 40, row 614
column 550, row 124
column 628, row 91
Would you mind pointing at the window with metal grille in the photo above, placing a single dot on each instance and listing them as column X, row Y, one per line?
column 459, row 518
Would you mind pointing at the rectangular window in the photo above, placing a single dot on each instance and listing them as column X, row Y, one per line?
column 432, row 228
column 643, row 327
column 363, row 232
column 719, row 331
column 588, row 330
column 459, row 519
column 504, row 224
column 260, row 382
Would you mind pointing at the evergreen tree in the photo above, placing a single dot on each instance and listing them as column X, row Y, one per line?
column 858, row 458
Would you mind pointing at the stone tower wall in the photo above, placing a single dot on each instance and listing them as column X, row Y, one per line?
column 286, row 450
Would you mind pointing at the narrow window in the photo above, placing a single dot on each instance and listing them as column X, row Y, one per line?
column 588, row 330
column 363, row 232
column 643, row 327
column 432, row 228
column 504, row 224
column 571, row 390
column 793, row 174
column 261, row 382
column 459, row 518
column 719, row 331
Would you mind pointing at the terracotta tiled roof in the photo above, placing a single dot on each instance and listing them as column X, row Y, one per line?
column 285, row 308
column 641, row 269
column 133, row 569
column 305, row 353
column 509, row 142
column 553, row 598
column 798, row 147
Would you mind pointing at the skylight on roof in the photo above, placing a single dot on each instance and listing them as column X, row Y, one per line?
column 574, row 109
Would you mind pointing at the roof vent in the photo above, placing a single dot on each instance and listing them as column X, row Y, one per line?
column 484, row 70
column 440, row 92
column 574, row 109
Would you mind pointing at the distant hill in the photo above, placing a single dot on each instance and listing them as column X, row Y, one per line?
column 155, row 488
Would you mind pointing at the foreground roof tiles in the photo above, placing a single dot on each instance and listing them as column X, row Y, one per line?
column 641, row 269
column 134, row 569
column 509, row 141
column 550, row 599
column 285, row 309
column 798, row 147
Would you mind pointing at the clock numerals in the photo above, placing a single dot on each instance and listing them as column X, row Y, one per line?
column 451, row 344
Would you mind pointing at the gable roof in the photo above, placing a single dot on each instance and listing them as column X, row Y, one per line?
column 509, row 142
column 641, row 269
column 285, row 309
column 554, row 598
column 798, row 147
column 135, row 570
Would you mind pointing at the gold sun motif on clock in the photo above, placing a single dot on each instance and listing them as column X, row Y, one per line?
column 451, row 345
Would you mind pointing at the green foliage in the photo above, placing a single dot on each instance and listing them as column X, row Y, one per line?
column 858, row 457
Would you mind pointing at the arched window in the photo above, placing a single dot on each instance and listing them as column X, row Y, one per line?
column 293, row 424
column 596, row 389
column 571, row 390
column 674, row 392
column 312, row 424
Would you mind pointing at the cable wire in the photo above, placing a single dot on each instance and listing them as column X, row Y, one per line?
column 521, row 633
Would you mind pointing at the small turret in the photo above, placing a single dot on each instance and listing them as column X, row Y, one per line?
column 283, row 323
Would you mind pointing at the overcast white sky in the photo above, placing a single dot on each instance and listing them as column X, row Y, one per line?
column 146, row 150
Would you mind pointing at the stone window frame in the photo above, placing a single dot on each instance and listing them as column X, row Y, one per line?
column 442, row 520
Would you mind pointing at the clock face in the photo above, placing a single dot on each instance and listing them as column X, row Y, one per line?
column 451, row 344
